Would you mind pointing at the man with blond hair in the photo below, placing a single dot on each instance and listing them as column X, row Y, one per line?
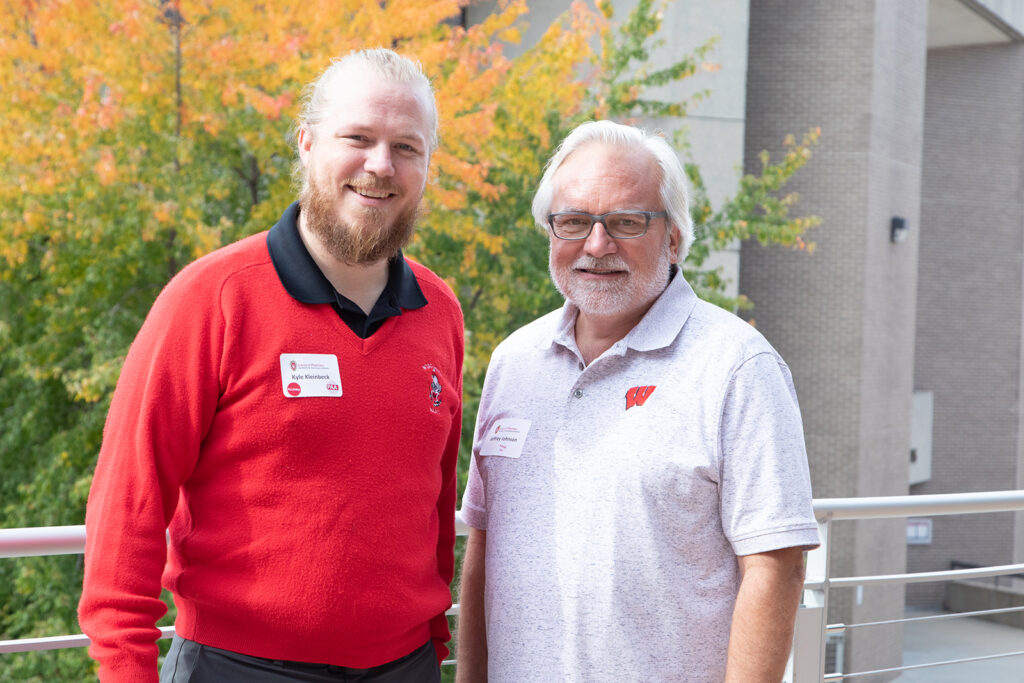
column 639, row 496
column 289, row 418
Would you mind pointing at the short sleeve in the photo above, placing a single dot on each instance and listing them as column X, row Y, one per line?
column 474, row 500
column 766, row 499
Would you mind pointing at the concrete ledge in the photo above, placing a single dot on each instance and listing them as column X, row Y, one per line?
column 971, row 596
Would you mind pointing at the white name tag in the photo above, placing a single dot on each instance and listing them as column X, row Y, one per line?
column 304, row 375
column 506, row 438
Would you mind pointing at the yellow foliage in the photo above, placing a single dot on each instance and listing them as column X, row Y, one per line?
column 164, row 212
column 105, row 168
column 93, row 383
column 205, row 239
column 150, row 230
column 132, row 126
column 510, row 35
column 492, row 243
column 79, row 68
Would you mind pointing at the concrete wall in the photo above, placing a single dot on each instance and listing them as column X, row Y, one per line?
column 971, row 596
column 844, row 316
column 1010, row 12
column 714, row 125
column 970, row 298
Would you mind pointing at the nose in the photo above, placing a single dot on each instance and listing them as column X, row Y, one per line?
column 378, row 161
column 599, row 243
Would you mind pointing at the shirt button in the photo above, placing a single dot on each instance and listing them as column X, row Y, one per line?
column 578, row 393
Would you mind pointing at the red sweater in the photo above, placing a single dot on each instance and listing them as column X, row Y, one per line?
column 313, row 529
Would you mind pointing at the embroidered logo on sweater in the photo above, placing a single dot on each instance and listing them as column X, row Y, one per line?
column 636, row 396
column 434, row 392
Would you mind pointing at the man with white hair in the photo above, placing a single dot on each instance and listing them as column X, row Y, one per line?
column 288, row 418
column 639, row 496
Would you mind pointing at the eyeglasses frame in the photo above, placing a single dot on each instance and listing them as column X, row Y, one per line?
column 595, row 219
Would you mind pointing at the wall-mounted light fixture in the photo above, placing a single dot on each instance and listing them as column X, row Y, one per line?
column 898, row 231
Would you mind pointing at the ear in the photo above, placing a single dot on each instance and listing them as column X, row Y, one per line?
column 675, row 238
column 305, row 145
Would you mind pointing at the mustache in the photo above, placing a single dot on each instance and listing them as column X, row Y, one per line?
column 605, row 263
column 372, row 184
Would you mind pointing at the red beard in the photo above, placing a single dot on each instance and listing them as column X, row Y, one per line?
column 368, row 241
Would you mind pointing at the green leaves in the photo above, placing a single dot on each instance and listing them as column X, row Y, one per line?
column 626, row 77
column 139, row 136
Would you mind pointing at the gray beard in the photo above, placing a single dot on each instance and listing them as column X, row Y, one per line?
column 612, row 299
column 367, row 242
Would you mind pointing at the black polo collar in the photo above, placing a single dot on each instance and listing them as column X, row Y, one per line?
column 302, row 279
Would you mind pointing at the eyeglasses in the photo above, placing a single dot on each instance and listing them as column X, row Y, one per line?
column 622, row 225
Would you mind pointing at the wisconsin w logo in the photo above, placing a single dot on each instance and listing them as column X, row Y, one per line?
column 635, row 396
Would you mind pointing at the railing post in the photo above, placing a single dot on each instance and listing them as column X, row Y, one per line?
column 807, row 659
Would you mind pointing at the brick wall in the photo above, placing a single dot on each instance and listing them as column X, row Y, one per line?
column 969, row 320
column 844, row 316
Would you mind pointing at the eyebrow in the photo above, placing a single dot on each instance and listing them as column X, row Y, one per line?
column 347, row 128
column 576, row 210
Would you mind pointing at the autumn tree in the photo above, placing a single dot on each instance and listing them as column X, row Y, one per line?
column 141, row 134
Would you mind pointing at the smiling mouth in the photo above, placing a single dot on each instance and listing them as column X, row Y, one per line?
column 600, row 271
column 370, row 193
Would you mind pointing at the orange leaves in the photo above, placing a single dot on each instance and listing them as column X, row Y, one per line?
column 496, row 118
column 128, row 23
column 467, row 176
column 801, row 245
column 105, row 168
column 222, row 50
column 164, row 212
column 449, row 199
column 268, row 106
column 172, row 115
column 98, row 106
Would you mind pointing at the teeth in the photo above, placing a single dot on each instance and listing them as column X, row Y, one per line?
column 374, row 194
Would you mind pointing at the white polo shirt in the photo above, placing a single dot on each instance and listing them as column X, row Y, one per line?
column 616, row 496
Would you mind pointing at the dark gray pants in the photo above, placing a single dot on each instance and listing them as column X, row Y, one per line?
column 192, row 662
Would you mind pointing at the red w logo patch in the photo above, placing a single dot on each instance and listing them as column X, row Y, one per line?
column 635, row 396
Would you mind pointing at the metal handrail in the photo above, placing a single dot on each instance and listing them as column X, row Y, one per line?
column 919, row 577
column 839, row 628
column 906, row 506
column 43, row 540
column 808, row 656
column 70, row 540
column 59, row 642
column 63, row 540
column 907, row 667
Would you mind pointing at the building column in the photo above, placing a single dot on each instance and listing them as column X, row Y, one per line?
column 843, row 317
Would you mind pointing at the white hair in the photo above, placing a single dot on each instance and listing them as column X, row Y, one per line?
column 672, row 188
